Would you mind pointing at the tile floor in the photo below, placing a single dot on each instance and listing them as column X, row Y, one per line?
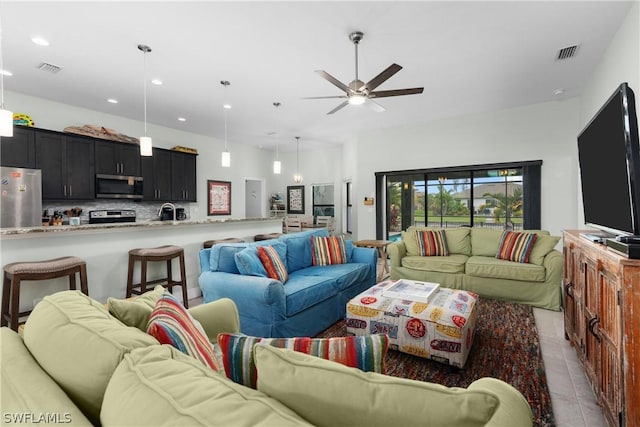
column 573, row 401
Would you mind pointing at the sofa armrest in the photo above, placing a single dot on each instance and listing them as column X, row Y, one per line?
column 552, row 263
column 216, row 317
column 514, row 410
column 365, row 255
column 396, row 251
column 205, row 255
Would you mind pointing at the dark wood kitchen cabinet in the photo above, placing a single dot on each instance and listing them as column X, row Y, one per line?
column 19, row 151
column 183, row 173
column 67, row 166
column 157, row 176
column 117, row 158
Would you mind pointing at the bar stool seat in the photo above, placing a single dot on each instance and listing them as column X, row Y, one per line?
column 16, row 272
column 162, row 253
column 209, row 243
column 260, row 237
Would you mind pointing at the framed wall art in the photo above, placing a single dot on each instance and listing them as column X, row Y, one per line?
column 218, row 197
column 295, row 199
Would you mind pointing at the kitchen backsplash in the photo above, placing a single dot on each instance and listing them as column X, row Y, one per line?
column 144, row 210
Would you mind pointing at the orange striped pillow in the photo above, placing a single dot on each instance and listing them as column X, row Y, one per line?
column 272, row 263
column 432, row 243
column 516, row 246
column 328, row 250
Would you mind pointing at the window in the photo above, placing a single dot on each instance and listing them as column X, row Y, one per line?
column 501, row 196
column 323, row 200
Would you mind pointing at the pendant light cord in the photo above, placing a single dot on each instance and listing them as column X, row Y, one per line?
column 144, row 86
column 1, row 69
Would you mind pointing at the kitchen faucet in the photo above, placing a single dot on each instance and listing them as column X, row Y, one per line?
column 168, row 205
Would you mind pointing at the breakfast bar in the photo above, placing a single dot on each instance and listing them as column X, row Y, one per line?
column 105, row 248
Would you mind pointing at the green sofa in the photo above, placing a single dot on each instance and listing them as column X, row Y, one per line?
column 472, row 265
column 77, row 364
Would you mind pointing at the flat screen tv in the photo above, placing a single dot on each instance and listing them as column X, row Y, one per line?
column 609, row 157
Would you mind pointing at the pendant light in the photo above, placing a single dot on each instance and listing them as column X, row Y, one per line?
column 146, row 146
column 277, row 166
column 6, row 116
column 226, row 155
column 297, row 178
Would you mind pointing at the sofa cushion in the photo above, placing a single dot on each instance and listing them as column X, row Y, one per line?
column 515, row 246
column 458, row 240
column 27, row 388
column 135, row 312
column 248, row 262
column 363, row 352
column 272, row 263
column 170, row 323
column 74, row 338
column 344, row 275
column 485, row 241
column 303, row 291
column 499, row 269
column 161, row 386
column 328, row 250
column 442, row 264
column 432, row 243
column 222, row 257
column 326, row 393
column 299, row 248
column 544, row 244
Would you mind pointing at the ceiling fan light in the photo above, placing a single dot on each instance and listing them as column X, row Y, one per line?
column 146, row 146
column 357, row 99
column 277, row 167
column 6, row 123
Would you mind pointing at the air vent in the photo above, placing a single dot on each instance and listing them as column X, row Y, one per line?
column 50, row 68
column 567, row 52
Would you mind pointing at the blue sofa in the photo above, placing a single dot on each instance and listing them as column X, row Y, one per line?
column 311, row 300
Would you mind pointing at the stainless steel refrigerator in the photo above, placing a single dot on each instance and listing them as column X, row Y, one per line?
column 20, row 197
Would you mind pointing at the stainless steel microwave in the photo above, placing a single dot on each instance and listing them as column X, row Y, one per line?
column 118, row 187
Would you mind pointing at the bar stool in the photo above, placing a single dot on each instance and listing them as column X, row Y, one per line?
column 210, row 243
column 162, row 253
column 16, row 272
column 260, row 237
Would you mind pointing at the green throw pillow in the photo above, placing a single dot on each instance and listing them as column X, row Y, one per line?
column 135, row 312
column 544, row 244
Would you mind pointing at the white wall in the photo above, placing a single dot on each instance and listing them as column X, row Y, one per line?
column 544, row 132
column 620, row 63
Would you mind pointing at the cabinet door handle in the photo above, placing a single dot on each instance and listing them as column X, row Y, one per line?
column 70, row 190
column 64, row 190
column 592, row 324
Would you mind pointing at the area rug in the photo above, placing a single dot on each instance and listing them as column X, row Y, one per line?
column 505, row 346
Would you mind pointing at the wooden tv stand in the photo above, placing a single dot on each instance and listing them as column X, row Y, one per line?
column 601, row 290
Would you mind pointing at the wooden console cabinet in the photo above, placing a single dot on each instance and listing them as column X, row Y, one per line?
column 602, row 321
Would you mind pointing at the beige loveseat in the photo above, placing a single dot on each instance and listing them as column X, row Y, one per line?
column 78, row 365
column 472, row 265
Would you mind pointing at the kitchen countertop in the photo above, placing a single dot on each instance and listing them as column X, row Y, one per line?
column 119, row 226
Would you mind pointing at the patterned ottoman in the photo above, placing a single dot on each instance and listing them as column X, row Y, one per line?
column 441, row 330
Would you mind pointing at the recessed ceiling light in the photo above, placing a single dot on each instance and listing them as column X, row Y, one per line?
column 182, row 119
column 40, row 41
column 6, row 73
column 226, row 106
column 558, row 91
column 156, row 82
column 112, row 101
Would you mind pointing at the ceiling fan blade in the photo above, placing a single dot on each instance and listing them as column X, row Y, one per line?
column 396, row 92
column 325, row 97
column 375, row 106
column 334, row 81
column 382, row 77
column 344, row 104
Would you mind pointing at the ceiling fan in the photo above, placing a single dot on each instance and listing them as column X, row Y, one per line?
column 357, row 92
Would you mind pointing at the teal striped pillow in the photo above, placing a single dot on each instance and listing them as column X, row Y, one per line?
column 328, row 250
column 432, row 243
column 363, row 352
column 516, row 246
column 272, row 263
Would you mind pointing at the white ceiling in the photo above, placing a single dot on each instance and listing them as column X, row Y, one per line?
column 470, row 57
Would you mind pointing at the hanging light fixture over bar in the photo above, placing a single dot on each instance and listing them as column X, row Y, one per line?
column 297, row 178
column 226, row 155
column 277, row 166
column 6, row 116
column 146, row 145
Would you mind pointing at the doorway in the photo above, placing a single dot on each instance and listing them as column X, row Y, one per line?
column 253, row 199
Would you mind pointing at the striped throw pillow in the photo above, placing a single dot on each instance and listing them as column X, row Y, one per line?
column 363, row 352
column 328, row 250
column 432, row 243
column 170, row 323
column 516, row 246
column 272, row 263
